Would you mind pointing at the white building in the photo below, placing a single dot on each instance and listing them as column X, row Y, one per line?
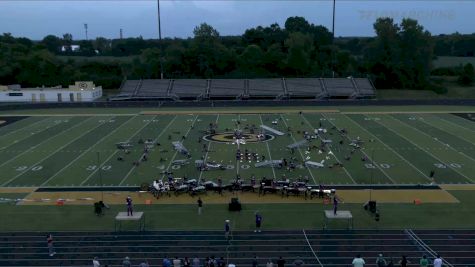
column 79, row 92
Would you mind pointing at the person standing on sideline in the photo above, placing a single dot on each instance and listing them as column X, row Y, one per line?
column 200, row 205
column 186, row 262
column 269, row 263
column 403, row 262
column 227, row 229
column 196, row 262
column 144, row 264
column 254, row 262
column 437, row 261
column 126, row 262
column 49, row 240
column 166, row 262
column 380, row 261
column 280, row 262
column 298, row 262
column 95, row 262
column 129, row 206
column 424, row 262
column 258, row 222
column 358, row 261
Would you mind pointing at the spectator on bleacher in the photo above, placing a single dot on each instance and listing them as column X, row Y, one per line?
column 196, row 262
column 358, row 261
column 186, row 262
column 437, row 261
column 280, row 262
column 424, row 262
column 176, row 262
column 221, row 262
column 166, row 262
column 126, row 262
column 254, row 262
column 403, row 262
column 269, row 263
column 380, row 261
column 212, row 262
column 95, row 262
column 298, row 262
column 144, row 264
column 49, row 240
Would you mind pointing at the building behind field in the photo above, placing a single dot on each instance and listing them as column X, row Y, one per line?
column 79, row 92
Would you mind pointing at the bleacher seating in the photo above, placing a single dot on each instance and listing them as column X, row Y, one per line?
column 365, row 87
column 339, row 87
column 304, row 87
column 189, row 88
column 222, row 88
column 129, row 87
column 154, row 88
column 265, row 88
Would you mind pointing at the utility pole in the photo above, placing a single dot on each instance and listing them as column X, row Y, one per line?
column 160, row 40
column 85, row 28
column 120, row 34
column 333, row 40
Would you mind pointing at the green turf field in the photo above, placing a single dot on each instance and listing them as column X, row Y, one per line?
column 400, row 148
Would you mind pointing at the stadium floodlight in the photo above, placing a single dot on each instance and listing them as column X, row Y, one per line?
column 160, row 40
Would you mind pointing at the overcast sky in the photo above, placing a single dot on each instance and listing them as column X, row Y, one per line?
column 35, row 18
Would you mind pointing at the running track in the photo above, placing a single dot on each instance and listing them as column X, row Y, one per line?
column 316, row 248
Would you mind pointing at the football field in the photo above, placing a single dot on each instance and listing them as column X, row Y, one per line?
column 378, row 148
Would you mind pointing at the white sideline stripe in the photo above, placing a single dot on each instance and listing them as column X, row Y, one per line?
column 420, row 148
column 431, row 138
column 207, row 151
column 346, row 171
column 25, row 127
column 176, row 152
column 54, row 152
column 311, row 248
column 133, row 167
column 399, row 155
column 300, row 151
column 111, row 155
column 33, row 147
column 372, row 160
column 268, row 150
column 87, row 150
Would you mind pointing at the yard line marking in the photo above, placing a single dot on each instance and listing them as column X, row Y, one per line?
column 366, row 155
column 455, row 124
column 87, row 150
column 238, row 167
column 176, row 152
column 31, row 149
column 155, row 140
column 111, row 155
column 54, row 152
column 300, row 151
column 26, row 127
column 431, row 138
column 390, row 148
column 346, row 171
column 428, row 152
column 268, row 150
column 207, row 151
column 311, row 248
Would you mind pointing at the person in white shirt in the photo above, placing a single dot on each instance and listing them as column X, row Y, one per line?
column 95, row 262
column 176, row 262
column 438, row 261
column 155, row 185
column 358, row 261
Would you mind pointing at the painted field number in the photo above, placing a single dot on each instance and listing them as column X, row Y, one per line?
column 450, row 165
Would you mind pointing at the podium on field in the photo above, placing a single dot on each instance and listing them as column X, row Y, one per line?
column 138, row 216
column 340, row 215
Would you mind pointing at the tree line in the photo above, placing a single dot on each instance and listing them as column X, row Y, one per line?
column 399, row 56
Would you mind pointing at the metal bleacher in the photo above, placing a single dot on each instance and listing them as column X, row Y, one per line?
column 340, row 87
column 266, row 88
column 233, row 89
column 304, row 88
column 189, row 89
column 365, row 87
column 226, row 88
column 154, row 88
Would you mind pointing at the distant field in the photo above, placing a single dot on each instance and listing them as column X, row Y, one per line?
column 452, row 61
column 399, row 148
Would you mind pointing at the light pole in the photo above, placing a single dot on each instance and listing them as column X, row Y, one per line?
column 160, row 40
column 333, row 39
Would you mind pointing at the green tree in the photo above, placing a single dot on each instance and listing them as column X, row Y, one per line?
column 300, row 47
column 52, row 43
column 467, row 77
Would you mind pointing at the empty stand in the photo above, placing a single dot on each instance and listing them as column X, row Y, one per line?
column 154, row 88
column 129, row 87
column 266, row 88
column 365, row 87
column 226, row 88
column 339, row 87
column 189, row 89
column 304, row 88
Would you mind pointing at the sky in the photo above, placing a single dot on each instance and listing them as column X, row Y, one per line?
column 37, row 18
